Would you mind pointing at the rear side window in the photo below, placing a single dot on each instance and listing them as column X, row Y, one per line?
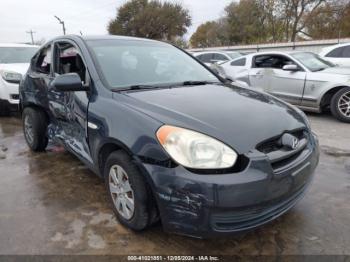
column 239, row 62
column 336, row 52
column 205, row 58
column 43, row 62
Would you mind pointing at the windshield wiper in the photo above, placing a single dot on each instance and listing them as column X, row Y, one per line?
column 134, row 87
column 197, row 83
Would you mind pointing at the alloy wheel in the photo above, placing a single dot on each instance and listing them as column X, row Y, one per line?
column 28, row 129
column 121, row 191
column 344, row 104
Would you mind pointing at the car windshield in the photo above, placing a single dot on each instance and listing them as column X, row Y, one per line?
column 234, row 55
column 127, row 63
column 13, row 55
column 312, row 61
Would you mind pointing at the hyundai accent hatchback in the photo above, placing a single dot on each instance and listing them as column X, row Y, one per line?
column 172, row 141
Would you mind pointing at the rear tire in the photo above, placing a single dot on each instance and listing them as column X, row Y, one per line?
column 340, row 105
column 35, row 128
column 143, row 212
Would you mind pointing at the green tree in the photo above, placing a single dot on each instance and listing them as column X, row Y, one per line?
column 209, row 34
column 329, row 21
column 245, row 22
column 150, row 19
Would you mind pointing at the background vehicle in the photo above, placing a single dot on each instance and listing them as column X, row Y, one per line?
column 337, row 54
column 151, row 129
column 300, row 78
column 212, row 57
column 14, row 62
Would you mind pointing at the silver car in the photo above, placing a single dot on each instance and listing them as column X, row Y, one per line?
column 212, row 57
column 301, row 78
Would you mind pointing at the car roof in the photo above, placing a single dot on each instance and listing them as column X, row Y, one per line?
column 210, row 52
column 16, row 45
column 102, row 37
column 279, row 52
column 332, row 47
column 115, row 37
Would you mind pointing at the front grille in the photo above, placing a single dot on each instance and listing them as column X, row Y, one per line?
column 14, row 96
column 244, row 219
column 280, row 156
column 273, row 144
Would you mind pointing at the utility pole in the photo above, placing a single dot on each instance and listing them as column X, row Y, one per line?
column 62, row 23
column 31, row 32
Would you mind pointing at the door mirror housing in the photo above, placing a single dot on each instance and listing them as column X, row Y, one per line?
column 70, row 82
column 292, row 68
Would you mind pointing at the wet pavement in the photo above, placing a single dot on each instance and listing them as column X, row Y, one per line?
column 51, row 204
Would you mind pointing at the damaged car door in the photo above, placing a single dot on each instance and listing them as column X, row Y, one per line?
column 69, row 108
column 279, row 76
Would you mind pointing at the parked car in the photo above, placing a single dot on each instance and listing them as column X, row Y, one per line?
column 211, row 57
column 176, row 143
column 14, row 62
column 337, row 54
column 301, row 78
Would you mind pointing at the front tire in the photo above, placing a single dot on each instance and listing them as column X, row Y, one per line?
column 35, row 129
column 128, row 192
column 340, row 105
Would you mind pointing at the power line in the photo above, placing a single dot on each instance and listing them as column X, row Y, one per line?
column 31, row 32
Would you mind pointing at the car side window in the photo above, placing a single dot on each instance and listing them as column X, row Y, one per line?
column 220, row 57
column 43, row 61
column 336, row 52
column 69, row 60
column 271, row 61
column 206, row 58
column 239, row 62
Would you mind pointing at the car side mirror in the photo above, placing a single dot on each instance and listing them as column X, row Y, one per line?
column 68, row 82
column 292, row 68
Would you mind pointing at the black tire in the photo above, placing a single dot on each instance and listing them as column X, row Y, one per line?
column 145, row 212
column 334, row 105
column 38, row 121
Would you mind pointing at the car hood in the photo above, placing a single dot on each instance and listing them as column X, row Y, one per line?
column 337, row 70
column 18, row 68
column 239, row 117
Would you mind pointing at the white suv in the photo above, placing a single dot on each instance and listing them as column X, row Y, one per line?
column 337, row 54
column 14, row 62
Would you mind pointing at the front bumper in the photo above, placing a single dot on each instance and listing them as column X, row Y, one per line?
column 211, row 205
column 9, row 92
column 9, row 107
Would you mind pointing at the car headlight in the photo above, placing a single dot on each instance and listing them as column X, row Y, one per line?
column 10, row 76
column 195, row 150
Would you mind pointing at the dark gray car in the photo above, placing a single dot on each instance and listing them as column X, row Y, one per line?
column 171, row 140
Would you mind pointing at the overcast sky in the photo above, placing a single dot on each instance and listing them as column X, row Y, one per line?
column 87, row 16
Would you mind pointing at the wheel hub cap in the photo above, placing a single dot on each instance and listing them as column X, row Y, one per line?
column 121, row 191
column 344, row 104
